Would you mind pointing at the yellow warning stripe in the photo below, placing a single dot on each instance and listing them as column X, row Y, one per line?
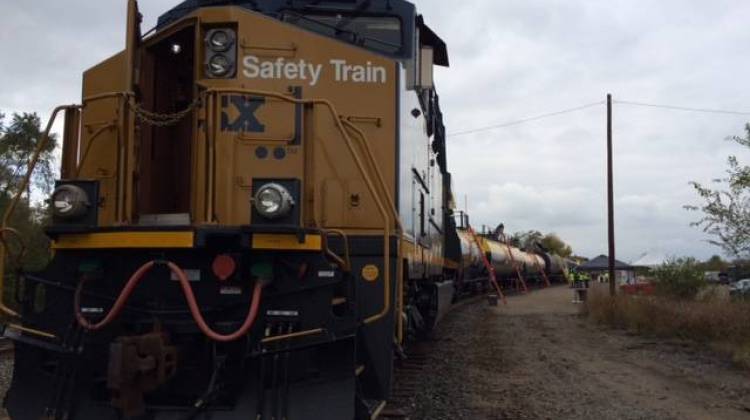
column 124, row 240
column 155, row 240
column 287, row 242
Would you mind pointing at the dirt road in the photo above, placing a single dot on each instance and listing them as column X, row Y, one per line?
column 536, row 358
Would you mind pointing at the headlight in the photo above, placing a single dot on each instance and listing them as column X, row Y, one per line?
column 219, row 66
column 220, row 40
column 69, row 202
column 273, row 201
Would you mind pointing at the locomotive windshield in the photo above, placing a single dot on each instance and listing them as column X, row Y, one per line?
column 379, row 33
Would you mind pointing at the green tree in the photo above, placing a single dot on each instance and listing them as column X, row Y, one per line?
column 17, row 143
column 715, row 263
column 552, row 243
column 679, row 278
column 526, row 240
column 726, row 207
column 532, row 239
column 18, row 140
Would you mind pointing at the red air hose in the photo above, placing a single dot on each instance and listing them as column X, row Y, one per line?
column 198, row 317
column 119, row 303
column 189, row 296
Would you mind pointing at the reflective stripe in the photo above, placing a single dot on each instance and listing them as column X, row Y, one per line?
column 288, row 242
column 120, row 240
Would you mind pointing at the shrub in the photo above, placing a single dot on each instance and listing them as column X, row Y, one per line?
column 679, row 278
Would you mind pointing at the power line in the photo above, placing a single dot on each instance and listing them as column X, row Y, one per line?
column 579, row 108
column 525, row 120
column 682, row 108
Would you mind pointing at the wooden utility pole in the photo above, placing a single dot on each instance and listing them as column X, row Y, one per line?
column 610, row 200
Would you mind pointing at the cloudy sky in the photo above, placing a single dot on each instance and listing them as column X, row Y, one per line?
column 511, row 60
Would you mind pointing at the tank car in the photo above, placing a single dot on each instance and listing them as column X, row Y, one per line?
column 253, row 214
column 510, row 264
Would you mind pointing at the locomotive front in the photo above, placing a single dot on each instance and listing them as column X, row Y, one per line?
column 225, row 233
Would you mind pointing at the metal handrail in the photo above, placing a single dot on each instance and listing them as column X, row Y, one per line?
column 400, row 263
column 14, row 202
column 358, row 161
column 346, row 263
column 97, row 133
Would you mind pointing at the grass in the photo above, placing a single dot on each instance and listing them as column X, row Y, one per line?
column 712, row 320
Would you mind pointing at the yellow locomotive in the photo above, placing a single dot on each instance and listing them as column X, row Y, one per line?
column 253, row 214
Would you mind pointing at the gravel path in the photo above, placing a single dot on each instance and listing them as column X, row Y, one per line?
column 536, row 358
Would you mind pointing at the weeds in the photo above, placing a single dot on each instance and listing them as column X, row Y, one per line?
column 718, row 323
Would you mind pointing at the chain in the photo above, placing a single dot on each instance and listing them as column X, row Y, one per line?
column 163, row 120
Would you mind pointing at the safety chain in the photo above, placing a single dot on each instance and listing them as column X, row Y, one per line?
column 163, row 120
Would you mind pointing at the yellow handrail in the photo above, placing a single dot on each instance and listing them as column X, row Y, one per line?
column 394, row 210
column 93, row 137
column 358, row 161
column 41, row 144
column 345, row 262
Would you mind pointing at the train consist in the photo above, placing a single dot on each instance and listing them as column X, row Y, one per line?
column 513, row 267
column 254, row 215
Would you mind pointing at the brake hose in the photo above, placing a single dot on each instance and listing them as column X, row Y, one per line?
column 189, row 297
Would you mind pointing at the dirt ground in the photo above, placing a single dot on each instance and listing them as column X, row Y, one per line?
column 537, row 358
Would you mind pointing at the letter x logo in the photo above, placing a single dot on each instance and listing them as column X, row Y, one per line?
column 246, row 107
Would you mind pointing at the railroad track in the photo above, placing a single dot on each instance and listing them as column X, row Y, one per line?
column 409, row 374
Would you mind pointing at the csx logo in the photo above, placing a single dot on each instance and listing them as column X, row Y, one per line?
column 238, row 113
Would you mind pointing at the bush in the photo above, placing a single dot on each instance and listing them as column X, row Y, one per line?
column 679, row 278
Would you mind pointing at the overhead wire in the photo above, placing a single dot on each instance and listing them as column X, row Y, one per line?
column 593, row 104
column 682, row 108
column 525, row 120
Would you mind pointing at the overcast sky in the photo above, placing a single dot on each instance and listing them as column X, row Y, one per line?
column 511, row 60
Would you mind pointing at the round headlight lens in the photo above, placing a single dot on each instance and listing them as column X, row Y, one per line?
column 220, row 40
column 219, row 65
column 69, row 202
column 273, row 201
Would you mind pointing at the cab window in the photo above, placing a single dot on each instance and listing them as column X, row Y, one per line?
column 379, row 33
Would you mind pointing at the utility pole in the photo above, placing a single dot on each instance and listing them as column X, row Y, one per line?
column 610, row 200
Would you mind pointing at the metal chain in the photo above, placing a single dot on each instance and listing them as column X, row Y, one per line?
column 166, row 119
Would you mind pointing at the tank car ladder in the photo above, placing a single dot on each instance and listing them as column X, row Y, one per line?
column 515, row 267
column 544, row 276
column 487, row 265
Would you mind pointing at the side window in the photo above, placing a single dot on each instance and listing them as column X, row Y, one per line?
column 413, row 68
column 421, row 215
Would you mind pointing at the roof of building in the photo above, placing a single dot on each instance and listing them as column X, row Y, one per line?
column 602, row 263
column 650, row 259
